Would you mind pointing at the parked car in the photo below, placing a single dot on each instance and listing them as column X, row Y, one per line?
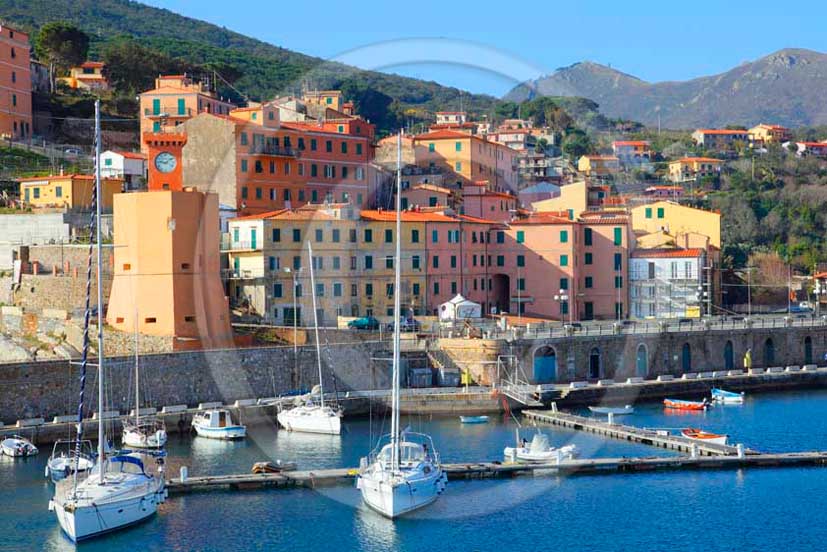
column 72, row 152
column 364, row 323
column 407, row 325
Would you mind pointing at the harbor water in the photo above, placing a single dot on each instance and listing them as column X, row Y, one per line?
column 753, row 509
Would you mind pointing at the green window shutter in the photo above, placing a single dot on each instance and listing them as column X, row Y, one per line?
column 182, row 106
column 588, row 260
column 564, row 236
column 520, row 236
column 648, row 212
column 564, row 260
column 458, row 146
column 431, row 148
column 589, row 282
column 156, row 106
column 587, row 236
column 618, row 236
column 520, row 260
column 660, row 212
column 156, row 126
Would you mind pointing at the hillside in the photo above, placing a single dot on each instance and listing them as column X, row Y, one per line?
column 265, row 70
column 784, row 87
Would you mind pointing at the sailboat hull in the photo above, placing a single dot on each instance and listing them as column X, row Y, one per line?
column 399, row 497
column 136, row 438
column 311, row 420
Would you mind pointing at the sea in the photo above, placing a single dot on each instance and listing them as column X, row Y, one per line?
column 718, row 510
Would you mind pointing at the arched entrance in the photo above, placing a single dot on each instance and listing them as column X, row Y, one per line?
column 594, row 364
column 545, row 365
column 808, row 350
column 641, row 361
column 500, row 292
column 769, row 352
column 686, row 358
column 729, row 358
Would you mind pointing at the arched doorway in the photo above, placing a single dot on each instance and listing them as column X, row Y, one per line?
column 594, row 364
column 500, row 292
column 769, row 352
column 545, row 365
column 641, row 361
column 808, row 350
column 686, row 358
column 729, row 358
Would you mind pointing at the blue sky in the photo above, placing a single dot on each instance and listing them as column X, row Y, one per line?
column 488, row 46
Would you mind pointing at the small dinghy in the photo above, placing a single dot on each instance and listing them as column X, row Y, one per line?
column 217, row 423
column 727, row 397
column 17, row 446
column 65, row 459
column 616, row 410
column 473, row 419
column 273, row 467
column 677, row 404
column 539, row 450
column 704, row 436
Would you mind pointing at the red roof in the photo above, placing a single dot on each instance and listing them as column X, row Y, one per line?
column 261, row 216
column 630, row 143
column 698, row 160
column 499, row 194
column 721, row 131
column 442, row 126
column 442, row 134
column 92, row 64
column 690, row 253
column 130, row 154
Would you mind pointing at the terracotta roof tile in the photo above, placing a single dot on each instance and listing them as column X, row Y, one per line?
column 690, row 253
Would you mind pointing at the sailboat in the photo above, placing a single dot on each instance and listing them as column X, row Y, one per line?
column 146, row 431
column 310, row 417
column 117, row 491
column 404, row 474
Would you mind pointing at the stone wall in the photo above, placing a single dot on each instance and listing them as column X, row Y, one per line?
column 47, row 389
column 76, row 255
column 37, row 292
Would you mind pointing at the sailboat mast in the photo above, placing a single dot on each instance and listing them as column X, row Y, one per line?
column 397, row 277
column 316, row 322
column 98, row 196
column 137, row 386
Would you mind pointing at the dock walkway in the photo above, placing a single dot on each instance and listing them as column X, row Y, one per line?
column 630, row 433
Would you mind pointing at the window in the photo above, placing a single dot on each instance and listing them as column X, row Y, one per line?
column 415, row 289
column 13, row 76
column 358, row 149
column 648, row 212
column 389, row 262
column 453, row 261
column 458, row 166
column 520, row 236
column 337, row 289
column 388, row 235
column 458, row 146
column 587, row 236
column 258, row 193
column 354, row 290
column 298, row 290
column 564, row 260
column 276, row 234
column 500, row 237
column 272, row 263
column 314, row 171
column 37, row 193
column 182, row 106
column 520, row 284
column 618, row 234
column 258, row 166
column 297, row 262
column 564, row 283
column 243, row 138
column 660, row 212
column 415, row 262
column 500, row 260
column 344, row 147
column 453, row 288
column 297, row 235
column 564, row 236
column 431, row 147
column 368, row 262
column 328, row 146
column 277, row 291
column 336, row 235
column 436, row 261
column 235, row 235
column 414, row 236
column 589, row 282
column 520, row 260
column 618, row 261
column 243, row 165
column 369, row 290
column 436, row 288
column 368, row 235
column 337, row 263
column 320, row 290
column 313, row 144
column 434, row 236
column 588, row 259
column 58, row 191
column 564, row 307
column 156, row 106
column 389, row 290
column 314, row 196
column 618, row 282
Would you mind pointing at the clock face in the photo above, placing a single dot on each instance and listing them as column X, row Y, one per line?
column 165, row 162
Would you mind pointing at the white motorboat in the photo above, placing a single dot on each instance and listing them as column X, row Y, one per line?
column 406, row 473
column 704, row 436
column 117, row 491
column 614, row 410
column 311, row 417
column 473, row 419
column 727, row 397
column 17, row 446
column 67, row 459
column 142, row 431
column 539, row 450
column 217, row 423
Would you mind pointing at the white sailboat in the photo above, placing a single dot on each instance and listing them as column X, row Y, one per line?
column 311, row 417
column 66, row 458
column 143, row 431
column 405, row 474
column 117, row 492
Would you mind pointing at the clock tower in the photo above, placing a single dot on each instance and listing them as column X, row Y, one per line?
column 164, row 155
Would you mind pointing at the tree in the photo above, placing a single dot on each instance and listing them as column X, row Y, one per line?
column 62, row 45
column 131, row 67
column 576, row 143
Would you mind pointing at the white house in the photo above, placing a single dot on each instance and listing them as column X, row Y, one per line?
column 667, row 283
column 127, row 165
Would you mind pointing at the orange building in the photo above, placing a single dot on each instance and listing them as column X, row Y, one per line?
column 15, row 85
column 88, row 76
column 175, row 99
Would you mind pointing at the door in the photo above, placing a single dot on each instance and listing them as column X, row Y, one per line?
column 589, row 311
column 729, row 357
column 545, row 366
column 641, row 361
column 594, row 364
column 808, row 350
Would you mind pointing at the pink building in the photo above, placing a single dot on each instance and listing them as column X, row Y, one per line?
column 427, row 195
column 478, row 201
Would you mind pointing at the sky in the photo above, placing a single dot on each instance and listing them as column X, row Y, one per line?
column 488, row 47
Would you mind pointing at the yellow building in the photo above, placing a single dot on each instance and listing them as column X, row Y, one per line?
column 329, row 99
column 89, row 76
column 467, row 158
column 598, row 165
column 769, row 134
column 70, row 191
column 689, row 168
column 674, row 219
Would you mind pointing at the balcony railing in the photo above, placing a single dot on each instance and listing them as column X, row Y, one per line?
column 232, row 245
column 274, row 150
column 168, row 112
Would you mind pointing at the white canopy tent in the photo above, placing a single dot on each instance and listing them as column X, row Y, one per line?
column 459, row 308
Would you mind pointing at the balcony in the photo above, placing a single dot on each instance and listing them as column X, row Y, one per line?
column 228, row 245
column 241, row 274
column 168, row 112
column 273, row 150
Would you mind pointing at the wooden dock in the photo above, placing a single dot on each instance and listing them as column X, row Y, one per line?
column 630, row 433
column 490, row 470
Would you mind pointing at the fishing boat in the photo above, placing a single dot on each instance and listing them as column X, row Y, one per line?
column 17, row 446
column 704, row 436
column 62, row 463
column 117, row 491
column 615, row 410
column 473, row 419
column 142, row 431
column 538, row 450
column 677, row 404
column 217, row 423
column 311, row 417
column 403, row 473
column 727, row 397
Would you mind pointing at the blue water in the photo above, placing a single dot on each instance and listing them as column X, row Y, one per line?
column 754, row 509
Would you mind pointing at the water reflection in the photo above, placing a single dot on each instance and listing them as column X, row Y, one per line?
column 374, row 531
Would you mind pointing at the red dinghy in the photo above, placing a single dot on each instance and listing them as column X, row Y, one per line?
column 684, row 405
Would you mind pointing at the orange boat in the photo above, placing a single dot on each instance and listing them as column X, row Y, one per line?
column 684, row 405
column 703, row 436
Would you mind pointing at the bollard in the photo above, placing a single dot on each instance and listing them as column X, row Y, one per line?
column 611, row 418
column 554, row 407
column 693, row 451
column 184, row 473
column 740, row 448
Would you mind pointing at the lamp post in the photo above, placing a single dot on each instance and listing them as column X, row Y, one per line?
column 563, row 297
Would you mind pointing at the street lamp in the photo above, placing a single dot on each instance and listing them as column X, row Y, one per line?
column 563, row 297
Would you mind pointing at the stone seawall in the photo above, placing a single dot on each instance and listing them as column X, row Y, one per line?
column 48, row 389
